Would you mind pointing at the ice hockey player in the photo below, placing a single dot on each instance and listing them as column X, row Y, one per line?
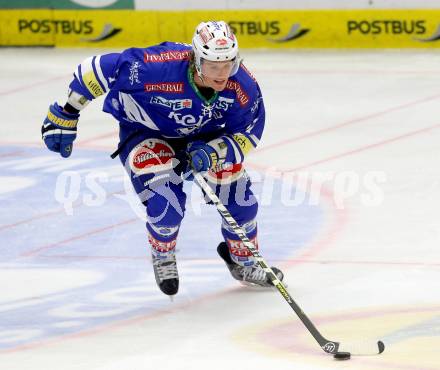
column 172, row 99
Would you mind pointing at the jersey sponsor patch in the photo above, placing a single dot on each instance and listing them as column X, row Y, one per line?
column 228, row 174
column 92, row 84
column 151, row 155
column 168, row 56
column 223, row 103
column 171, row 87
column 242, row 97
column 89, row 74
column 175, row 104
column 244, row 143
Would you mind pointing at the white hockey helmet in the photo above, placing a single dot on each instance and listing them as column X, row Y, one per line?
column 214, row 41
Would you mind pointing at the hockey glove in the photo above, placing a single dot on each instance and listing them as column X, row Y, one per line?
column 59, row 130
column 203, row 157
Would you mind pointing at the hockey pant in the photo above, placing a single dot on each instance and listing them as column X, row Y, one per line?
column 155, row 173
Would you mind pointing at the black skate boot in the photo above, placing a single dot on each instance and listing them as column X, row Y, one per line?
column 252, row 275
column 165, row 271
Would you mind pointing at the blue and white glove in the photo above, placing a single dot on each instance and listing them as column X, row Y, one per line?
column 59, row 130
column 203, row 157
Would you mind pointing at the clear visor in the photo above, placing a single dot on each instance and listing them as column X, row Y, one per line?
column 219, row 70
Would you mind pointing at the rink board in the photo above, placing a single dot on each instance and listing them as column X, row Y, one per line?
column 278, row 29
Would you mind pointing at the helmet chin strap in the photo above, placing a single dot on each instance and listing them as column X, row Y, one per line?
column 201, row 79
column 200, row 76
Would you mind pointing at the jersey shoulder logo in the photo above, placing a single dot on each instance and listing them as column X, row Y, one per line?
column 242, row 97
column 168, row 56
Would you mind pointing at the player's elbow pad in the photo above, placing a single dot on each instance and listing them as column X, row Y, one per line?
column 77, row 100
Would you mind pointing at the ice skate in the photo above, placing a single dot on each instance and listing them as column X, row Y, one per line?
column 165, row 271
column 251, row 275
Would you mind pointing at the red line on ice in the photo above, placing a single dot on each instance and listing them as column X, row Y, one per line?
column 344, row 124
column 363, row 148
column 32, row 85
column 35, row 251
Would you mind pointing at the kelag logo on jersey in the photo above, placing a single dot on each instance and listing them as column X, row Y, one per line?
column 176, row 104
column 189, row 122
column 208, row 112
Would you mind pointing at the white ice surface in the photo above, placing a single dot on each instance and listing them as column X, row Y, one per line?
column 370, row 271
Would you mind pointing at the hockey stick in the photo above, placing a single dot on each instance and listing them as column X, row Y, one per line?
column 361, row 348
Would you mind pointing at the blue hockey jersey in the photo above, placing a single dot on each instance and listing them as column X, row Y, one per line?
column 153, row 88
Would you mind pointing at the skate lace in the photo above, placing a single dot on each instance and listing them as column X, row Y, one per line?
column 254, row 273
column 166, row 268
